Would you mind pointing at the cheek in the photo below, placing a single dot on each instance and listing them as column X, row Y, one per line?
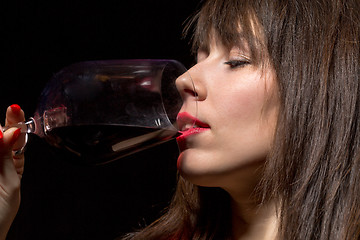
column 246, row 117
column 242, row 103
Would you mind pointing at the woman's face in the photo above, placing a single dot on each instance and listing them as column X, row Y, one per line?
column 237, row 108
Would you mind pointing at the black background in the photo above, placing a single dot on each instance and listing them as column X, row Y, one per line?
column 61, row 200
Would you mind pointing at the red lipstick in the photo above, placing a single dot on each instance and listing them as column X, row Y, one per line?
column 185, row 120
column 189, row 125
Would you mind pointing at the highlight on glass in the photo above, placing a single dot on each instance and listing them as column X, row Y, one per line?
column 104, row 110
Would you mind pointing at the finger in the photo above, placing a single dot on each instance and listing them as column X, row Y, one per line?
column 14, row 114
column 9, row 174
column 18, row 141
column 19, row 162
column 9, row 139
column 12, row 137
column 15, row 141
column 18, row 159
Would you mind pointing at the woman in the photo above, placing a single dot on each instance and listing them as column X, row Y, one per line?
column 274, row 153
column 278, row 91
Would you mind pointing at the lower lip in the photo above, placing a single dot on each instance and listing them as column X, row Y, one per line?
column 185, row 134
column 192, row 131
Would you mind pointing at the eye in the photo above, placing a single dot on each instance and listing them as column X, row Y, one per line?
column 237, row 63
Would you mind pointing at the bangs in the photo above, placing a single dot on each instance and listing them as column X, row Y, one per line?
column 232, row 22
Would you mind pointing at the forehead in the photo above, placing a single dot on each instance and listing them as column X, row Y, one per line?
column 246, row 39
column 230, row 20
column 215, row 42
column 226, row 25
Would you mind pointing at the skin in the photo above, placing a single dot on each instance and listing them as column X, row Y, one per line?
column 238, row 100
column 11, row 168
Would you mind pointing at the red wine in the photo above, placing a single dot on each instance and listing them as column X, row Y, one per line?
column 97, row 144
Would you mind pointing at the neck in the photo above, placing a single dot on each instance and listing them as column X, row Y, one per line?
column 251, row 221
column 251, row 218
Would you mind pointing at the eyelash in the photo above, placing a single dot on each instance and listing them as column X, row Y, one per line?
column 237, row 63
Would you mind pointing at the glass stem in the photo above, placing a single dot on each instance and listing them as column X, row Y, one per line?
column 26, row 127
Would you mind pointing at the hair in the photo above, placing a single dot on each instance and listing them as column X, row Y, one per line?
column 316, row 152
column 313, row 170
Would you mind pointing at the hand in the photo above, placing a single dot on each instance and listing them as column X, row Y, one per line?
column 11, row 169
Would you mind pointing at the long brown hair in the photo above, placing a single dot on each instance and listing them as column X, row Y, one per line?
column 313, row 171
column 314, row 48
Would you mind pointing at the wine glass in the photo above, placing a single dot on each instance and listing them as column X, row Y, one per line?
column 104, row 110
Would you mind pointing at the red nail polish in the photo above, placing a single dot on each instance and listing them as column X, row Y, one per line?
column 1, row 135
column 16, row 135
column 15, row 108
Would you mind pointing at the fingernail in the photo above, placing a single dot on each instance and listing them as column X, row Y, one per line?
column 15, row 108
column 1, row 133
column 16, row 135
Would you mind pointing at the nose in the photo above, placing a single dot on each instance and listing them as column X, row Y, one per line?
column 190, row 87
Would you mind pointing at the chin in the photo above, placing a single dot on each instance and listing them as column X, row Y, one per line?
column 197, row 170
column 208, row 169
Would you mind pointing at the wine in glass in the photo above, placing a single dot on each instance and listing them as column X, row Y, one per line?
column 104, row 110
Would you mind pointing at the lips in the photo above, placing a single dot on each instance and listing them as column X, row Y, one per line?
column 187, row 122
column 189, row 125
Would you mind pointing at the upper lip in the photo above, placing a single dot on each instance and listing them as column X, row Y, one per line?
column 186, row 121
